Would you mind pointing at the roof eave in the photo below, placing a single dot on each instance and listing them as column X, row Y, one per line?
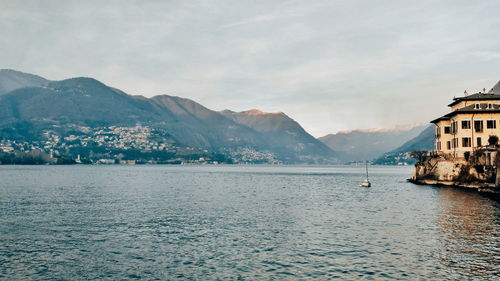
column 453, row 113
column 458, row 100
column 440, row 119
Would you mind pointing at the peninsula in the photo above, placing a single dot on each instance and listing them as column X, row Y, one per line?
column 466, row 145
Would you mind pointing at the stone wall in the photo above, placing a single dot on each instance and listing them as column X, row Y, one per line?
column 439, row 169
column 478, row 169
column 480, row 173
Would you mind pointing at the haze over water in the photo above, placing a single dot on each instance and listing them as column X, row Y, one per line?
column 240, row 222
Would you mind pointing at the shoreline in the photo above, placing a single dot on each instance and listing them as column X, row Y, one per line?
column 486, row 189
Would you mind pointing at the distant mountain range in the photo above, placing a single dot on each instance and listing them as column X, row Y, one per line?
column 368, row 144
column 30, row 103
column 424, row 141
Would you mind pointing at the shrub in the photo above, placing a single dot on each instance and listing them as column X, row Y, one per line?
column 419, row 155
column 479, row 168
column 467, row 155
column 493, row 140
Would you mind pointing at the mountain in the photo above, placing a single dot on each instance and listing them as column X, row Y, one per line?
column 197, row 125
column 281, row 133
column 424, row 141
column 361, row 145
column 496, row 89
column 83, row 101
column 88, row 102
column 11, row 80
column 25, row 112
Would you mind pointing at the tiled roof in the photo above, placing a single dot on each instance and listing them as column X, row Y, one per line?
column 470, row 109
column 476, row 96
column 482, row 106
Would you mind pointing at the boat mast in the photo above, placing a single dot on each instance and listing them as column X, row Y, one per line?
column 366, row 163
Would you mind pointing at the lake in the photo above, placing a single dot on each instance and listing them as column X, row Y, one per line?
column 240, row 223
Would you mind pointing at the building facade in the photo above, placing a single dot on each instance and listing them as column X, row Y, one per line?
column 472, row 120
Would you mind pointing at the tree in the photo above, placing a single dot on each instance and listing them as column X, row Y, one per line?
column 467, row 155
column 493, row 140
column 420, row 155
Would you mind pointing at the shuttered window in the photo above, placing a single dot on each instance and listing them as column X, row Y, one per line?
column 466, row 142
column 478, row 125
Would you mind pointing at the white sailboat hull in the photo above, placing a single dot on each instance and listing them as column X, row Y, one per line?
column 365, row 183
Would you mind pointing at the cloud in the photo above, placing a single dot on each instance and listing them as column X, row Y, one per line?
column 331, row 65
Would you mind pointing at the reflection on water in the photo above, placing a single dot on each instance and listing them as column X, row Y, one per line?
column 470, row 234
column 240, row 223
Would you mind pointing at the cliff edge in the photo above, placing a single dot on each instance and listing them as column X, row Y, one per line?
column 480, row 171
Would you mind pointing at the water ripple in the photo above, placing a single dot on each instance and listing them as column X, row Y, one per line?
column 240, row 223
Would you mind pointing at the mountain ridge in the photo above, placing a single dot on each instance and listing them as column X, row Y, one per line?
column 496, row 88
column 88, row 102
column 280, row 131
column 404, row 127
column 368, row 144
column 12, row 79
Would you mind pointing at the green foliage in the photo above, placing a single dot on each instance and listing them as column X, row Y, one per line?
column 419, row 155
column 479, row 168
column 493, row 140
column 467, row 155
column 34, row 157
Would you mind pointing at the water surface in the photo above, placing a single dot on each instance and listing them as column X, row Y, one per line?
column 240, row 223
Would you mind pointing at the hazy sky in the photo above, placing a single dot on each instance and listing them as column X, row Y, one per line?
column 330, row 65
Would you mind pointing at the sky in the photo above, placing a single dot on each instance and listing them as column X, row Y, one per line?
column 329, row 65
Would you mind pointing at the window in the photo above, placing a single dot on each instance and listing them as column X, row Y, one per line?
column 465, row 124
column 438, row 132
column 454, row 127
column 477, row 106
column 479, row 142
column 438, row 145
column 491, row 124
column 448, row 145
column 447, row 130
column 490, row 106
column 466, row 142
column 478, row 125
column 455, row 143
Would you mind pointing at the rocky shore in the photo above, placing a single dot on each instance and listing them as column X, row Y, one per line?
column 479, row 172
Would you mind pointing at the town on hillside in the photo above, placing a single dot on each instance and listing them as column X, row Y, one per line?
column 76, row 144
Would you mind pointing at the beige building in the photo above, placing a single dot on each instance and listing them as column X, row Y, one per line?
column 472, row 120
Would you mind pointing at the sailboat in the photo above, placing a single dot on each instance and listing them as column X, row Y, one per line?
column 366, row 182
